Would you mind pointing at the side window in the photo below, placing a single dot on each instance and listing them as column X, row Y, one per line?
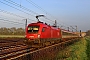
column 43, row 29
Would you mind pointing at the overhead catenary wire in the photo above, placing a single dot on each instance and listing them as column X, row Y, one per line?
column 16, row 23
column 34, row 4
column 20, row 6
column 14, row 3
column 24, row 8
column 15, row 8
column 10, row 23
column 11, row 13
column 19, row 10
column 9, row 18
column 14, row 14
column 5, row 20
column 49, row 20
column 37, row 6
column 31, row 2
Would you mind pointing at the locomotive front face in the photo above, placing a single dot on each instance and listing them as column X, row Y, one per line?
column 32, row 32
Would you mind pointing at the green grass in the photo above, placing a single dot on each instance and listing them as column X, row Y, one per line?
column 76, row 51
column 88, row 47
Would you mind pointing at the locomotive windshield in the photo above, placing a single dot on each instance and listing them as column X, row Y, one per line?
column 33, row 29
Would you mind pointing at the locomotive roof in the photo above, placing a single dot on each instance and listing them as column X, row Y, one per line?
column 36, row 23
column 44, row 24
column 39, row 23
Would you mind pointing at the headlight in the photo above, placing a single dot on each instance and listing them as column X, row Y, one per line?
column 38, row 35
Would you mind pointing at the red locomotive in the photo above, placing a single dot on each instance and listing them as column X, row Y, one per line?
column 40, row 30
column 41, row 33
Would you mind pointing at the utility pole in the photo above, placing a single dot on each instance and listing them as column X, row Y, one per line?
column 55, row 23
column 80, row 33
column 25, row 25
column 68, row 28
column 72, row 28
column 76, row 28
column 61, row 27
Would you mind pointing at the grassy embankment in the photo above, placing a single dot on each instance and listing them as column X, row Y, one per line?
column 77, row 51
column 88, row 47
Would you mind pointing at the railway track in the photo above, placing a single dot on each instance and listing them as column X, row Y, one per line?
column 12, row 49
column 7, row 46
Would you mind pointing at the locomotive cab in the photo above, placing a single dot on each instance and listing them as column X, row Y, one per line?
column 33, row 29
column 38, row 32
column 32, row 32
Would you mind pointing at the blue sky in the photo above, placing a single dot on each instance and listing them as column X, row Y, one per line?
column 66, row 12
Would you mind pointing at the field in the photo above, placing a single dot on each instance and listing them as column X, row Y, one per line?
column 12, row 36
column 77, row 51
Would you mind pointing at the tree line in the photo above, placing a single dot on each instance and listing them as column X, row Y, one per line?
column 12, row 31
column 88, row 33
column 20, row 31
